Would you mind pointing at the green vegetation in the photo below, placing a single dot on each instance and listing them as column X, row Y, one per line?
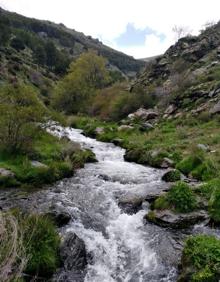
column 180, row 198
column 201, row 259
column 29, row 244
column 86, row 75
column 41, row 243
column 20, row 111
column 214, row 205
column 172, row 176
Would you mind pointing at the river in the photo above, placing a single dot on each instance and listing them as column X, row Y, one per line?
column 123, row 246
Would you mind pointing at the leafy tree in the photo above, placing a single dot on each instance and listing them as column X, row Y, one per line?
column 5, row 30
column 17, row 44
column 87, row 74
column 51, row 52
column 20, row 110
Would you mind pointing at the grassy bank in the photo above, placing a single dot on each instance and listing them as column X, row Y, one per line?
column 29, row 247
column 179, row 140
column 48, row 160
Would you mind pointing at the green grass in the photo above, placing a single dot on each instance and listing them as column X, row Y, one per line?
column 201, row 259
column 175, row 139
column 179, row 198
column 60, row 158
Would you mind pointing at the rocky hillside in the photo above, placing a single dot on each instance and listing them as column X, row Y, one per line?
column 186, row 79
column 40, row 51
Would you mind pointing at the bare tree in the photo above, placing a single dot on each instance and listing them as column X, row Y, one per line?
column 181, row 31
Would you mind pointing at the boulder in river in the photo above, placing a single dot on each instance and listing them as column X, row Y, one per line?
column 172, row 175
column 73, row 253
column 167, row 218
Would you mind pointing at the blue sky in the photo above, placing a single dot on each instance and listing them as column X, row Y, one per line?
column 140, row 28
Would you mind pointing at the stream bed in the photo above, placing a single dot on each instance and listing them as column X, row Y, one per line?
column 121, row 245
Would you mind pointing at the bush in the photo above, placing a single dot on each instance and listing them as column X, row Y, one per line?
column 172, row 176
column 201, row 259
column 199, row 166
column 208, row 188
column 181, row 197
column 214, row 205
column 41, row 242
column 161, row 203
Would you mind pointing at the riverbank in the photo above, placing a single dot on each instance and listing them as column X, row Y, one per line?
column 90, row 203
column 48, row 160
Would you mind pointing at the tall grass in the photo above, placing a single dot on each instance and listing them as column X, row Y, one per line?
column 13, row 259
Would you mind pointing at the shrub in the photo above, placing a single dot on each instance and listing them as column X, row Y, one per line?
column 20, row 110
column 214, row 205
column 206, row 189
column 199, row 166
column 188, row 164
column 181, row 197
column 172, row 176
column 161, row 203
column 41, row 242
column 201, row 259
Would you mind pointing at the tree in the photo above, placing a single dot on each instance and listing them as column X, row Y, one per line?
column 87, row 74
column 181, row 31
column 20, row 111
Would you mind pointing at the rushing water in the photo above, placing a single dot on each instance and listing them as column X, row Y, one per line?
column 123, row 247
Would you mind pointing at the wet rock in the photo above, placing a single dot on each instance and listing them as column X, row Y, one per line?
column 61, row 218
column 38, row 164
column 131, row 205
column 73, row 253
column 167, row 218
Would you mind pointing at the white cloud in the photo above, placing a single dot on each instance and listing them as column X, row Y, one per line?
column 108, row 19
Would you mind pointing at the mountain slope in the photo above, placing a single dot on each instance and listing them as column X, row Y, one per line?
column 40, row 51
column 187, row 76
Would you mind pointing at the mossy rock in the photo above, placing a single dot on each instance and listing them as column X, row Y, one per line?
column 172, row 176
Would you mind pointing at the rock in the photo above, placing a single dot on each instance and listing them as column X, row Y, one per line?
column 215, row 109
column 38, row 164
column 203, row 147
column 143, row 114
column 172, row 176
column 167, row 218
column 73, row 253
column 167, row 163
column 125, row 127
column 6, row 173
column 99, row 130
column 170, row 110
column 61, row 218
column 131, row 205
column 146, row 126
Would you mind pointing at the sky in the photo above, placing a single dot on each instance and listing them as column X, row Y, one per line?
column 140, row 28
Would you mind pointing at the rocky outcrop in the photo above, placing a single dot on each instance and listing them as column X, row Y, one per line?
column 143, row 114
column 167, row 218
column 215, row 109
